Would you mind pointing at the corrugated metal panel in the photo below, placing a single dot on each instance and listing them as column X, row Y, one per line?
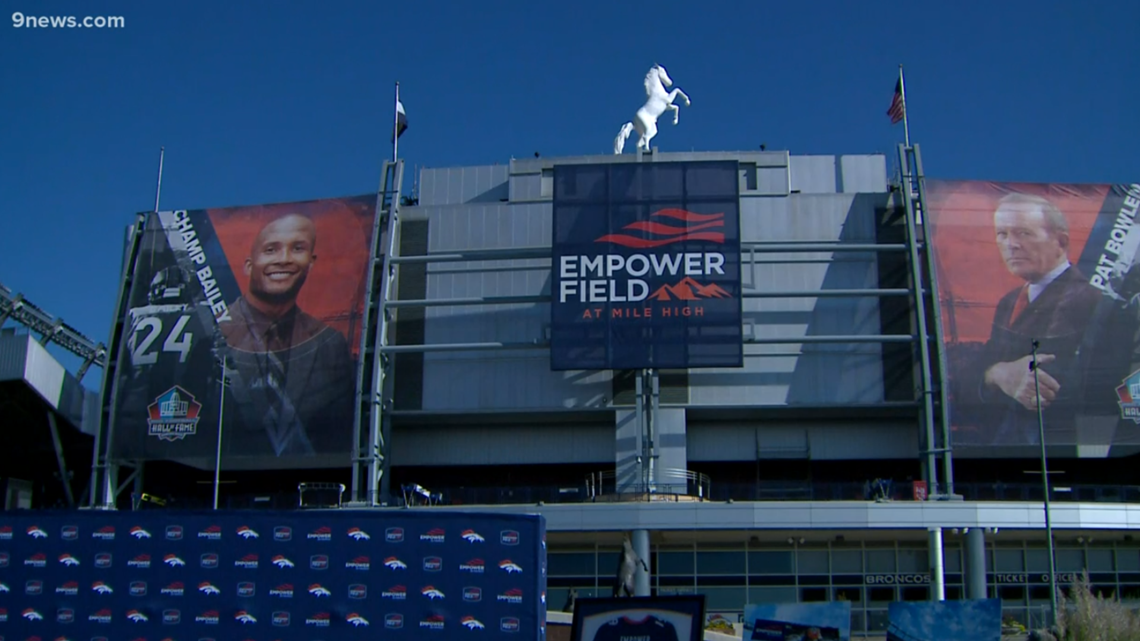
column 13, row 356
column 803, row 373
column 44, row 373
column 863, row 440
column 813, row 174
column 817, row 440
column 504, row 445
column 865, row 174
column 788, row 374
column 458, row 185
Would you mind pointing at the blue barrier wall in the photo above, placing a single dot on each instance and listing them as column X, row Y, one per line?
column 304, row 576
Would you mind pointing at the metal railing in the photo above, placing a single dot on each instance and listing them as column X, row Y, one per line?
column 602, row 485
column 670, row 482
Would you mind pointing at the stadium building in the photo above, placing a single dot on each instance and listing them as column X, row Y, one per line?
column 751, row 363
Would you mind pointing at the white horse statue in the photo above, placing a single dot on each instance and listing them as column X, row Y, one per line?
column 645, row 121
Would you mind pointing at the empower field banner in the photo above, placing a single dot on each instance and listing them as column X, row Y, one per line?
column 646, row 266
column 298, row 576
column 277, row 291
column 1019, row 262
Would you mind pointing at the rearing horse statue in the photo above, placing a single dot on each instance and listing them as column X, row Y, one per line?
column 645, row 121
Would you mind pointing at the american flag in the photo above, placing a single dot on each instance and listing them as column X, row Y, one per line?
column 898, row 106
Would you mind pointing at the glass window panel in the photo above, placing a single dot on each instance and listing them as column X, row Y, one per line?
column 880, row 561
column 857, row 621
column 811, row 562
column 1100, row 560
column 721, row 563
column 953, row 593
column 854, row 595
column 675, row 563
column 916, row 593
column 1037, row 560
column 1130, row 592
column 556, row 598
column 813, row 595
column 1009, row 561
column 1012, row 594
column 1070, row 560
column 880, row 595
column 847, row 561
column 877, row 621
column 914, row 561
column 1127, row 560
column 771, row 595
column 570, row 564
column 774, row 562
column 952, row 558
column 724, row 598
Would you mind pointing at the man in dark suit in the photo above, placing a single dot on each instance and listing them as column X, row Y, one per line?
column 294, row 378
column 1055, row 306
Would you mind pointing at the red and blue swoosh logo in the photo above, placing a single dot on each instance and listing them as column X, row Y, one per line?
column 657, row 234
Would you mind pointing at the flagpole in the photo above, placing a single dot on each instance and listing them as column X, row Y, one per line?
column 906, row 124
column 158, row 188
column 396, row 125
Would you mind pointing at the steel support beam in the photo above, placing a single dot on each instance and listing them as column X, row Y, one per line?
column 929, row 464
column 60, row 461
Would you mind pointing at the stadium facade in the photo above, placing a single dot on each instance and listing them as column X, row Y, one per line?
column 799, row 418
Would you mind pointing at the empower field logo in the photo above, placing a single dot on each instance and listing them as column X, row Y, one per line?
column 646, row 266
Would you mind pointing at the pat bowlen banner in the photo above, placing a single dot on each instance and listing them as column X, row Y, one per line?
column 1052, row 263
column 646, row 266
column 276, row 291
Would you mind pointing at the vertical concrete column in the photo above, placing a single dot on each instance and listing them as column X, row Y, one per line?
column 640, row 542
column 937, row 577
column 975, row 563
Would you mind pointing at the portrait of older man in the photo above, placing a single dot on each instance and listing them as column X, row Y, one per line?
column 294, row 378
column 1054, row 306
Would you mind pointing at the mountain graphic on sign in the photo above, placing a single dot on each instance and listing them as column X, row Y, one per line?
column 688, row 289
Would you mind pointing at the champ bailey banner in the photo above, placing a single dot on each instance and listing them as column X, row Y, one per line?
column 646, row 266
column 1047, row 262
column 276, row 290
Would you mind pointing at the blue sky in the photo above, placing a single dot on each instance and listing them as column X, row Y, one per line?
column 274, row 101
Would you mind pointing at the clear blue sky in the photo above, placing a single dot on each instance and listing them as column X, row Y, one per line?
column 275, row 101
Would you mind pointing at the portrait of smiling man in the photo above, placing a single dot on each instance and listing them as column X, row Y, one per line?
column 294, row 378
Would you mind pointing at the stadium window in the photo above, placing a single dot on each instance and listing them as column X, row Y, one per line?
column 1012, row 594
column 724, row 598
column 721, row 563
column 771, row 594
column 774, row 562
column 1070, row 560
column 916, row 593
column 811, row 562
column 880, row 595
column 952, row 559
column 1009, row 561
column 1127, row 559
column 1100, row 560
column 847, row 561
column 813, row 595
column 571, row 564
column 675, row 563
column 881, row 561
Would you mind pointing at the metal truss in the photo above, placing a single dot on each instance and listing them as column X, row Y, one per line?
column 51, row 329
